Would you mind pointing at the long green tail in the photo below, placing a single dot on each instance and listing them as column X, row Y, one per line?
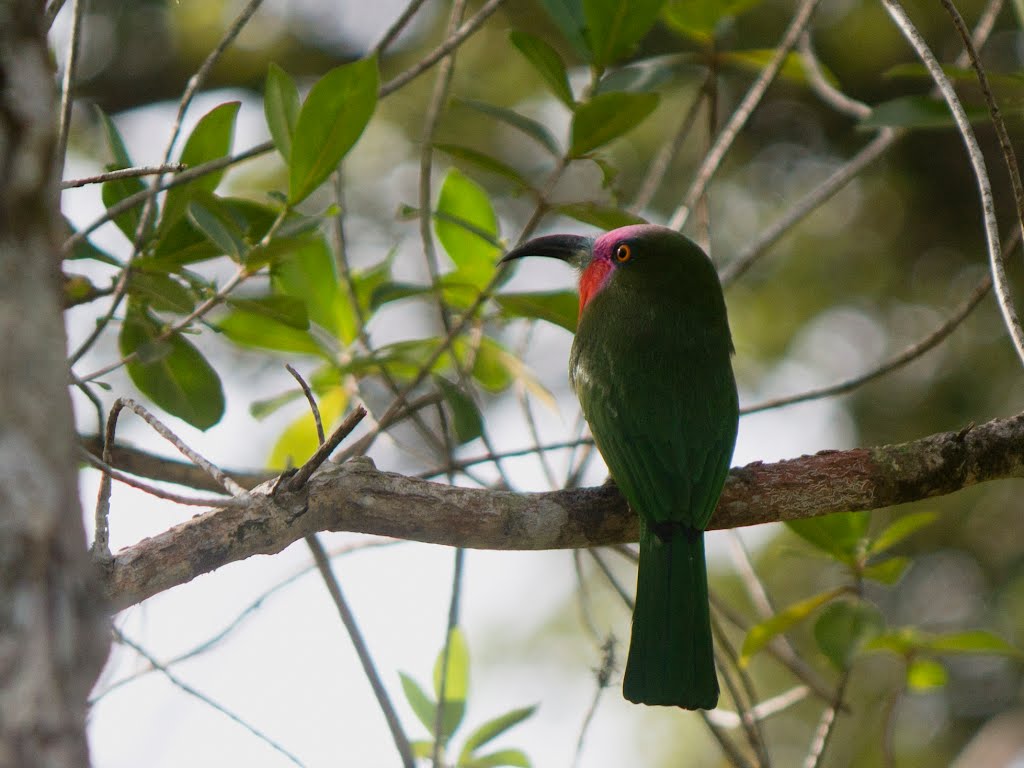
column 671, row 661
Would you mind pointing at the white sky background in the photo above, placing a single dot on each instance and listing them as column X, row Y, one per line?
column 290, row 671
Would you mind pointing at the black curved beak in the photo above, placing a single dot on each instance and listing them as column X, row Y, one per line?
column 574, row 249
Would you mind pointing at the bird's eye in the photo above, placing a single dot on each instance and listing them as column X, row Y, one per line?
column 623, row 253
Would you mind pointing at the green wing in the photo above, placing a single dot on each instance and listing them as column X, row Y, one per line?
column 666, row 428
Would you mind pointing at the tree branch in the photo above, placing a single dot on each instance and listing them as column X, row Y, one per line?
column 356, row 496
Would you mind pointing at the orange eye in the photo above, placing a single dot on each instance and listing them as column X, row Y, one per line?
column 623, row 253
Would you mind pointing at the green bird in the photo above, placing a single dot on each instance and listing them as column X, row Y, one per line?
column 651, row 365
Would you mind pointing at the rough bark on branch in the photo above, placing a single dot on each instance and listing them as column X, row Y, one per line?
column 355, row 496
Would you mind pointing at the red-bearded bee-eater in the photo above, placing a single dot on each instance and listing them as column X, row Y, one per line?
column 651, row 365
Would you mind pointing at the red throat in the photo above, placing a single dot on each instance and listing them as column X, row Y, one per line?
column 593, row 280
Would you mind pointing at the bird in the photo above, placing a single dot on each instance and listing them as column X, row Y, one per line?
column 651, row 364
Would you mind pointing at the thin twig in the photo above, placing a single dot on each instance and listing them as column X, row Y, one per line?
column 196, row 81
column 52, row 9
column 827, row 92
column 619, row 589
column 826, row 725
column 997, row 119
column 911, row 353
column 583, row 594
column 299, row 479
column 728, row 664
column 779, row 649
column 763, row 710
column 311, row 400
column 182, row 685
column 745, row 569
column 193, row 173
column 67, row 85
column 212, row 642
column 362, row 651
column 732, row 753
column 999, row 281
column 889, row 728
column 161, row 429
column 659, row 166
column 219, row 502
column 810, row 202
column 468, row 316
column 449, row 45
column 453, row 621
column 739, row 118
column 240, row 275
column 123, row 173
column 604, row 676
column 396, row 29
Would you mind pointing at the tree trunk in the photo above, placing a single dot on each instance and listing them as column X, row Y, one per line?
column 53, row 637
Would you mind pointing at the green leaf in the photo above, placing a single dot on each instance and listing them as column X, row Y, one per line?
column 839, row 534
column 925, row 675
column 284, row 309
column 600, row 216
column 335, row 113
column 532, row 128
column 547, row 62
column 761, row 634
column 85, row 249
column 113, row 192
column 485, row 162
column 614, row 27
column 456, row 684
column 904, row 641
column 307, row 273
column 209, row 140
column 281, row 108
column 900, row 529
column 492, row 729
column 793, row 68
column 844, row 627
column 299, row 441
column 213, row 220
column 997, row 80
column 260, row 409
column 422, row 748
column 645, row 75
column 469, row 244
column 700, row 19
column 466, row 416
column 160, row 292
column 249, row 329
column 607, row 117
column 515, row 758
column 421, row 703
column 888, row 571
column 323, row 380
column 388, row 292
column 496, row 369
column 114, row 140
column 976, row 641
column 183, row 244
column 907, row 641
column 558, row 307
column 180, row 381
column 917, row 112
column 568, row 17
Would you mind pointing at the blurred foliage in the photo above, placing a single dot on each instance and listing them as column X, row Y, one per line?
column 913, row 602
